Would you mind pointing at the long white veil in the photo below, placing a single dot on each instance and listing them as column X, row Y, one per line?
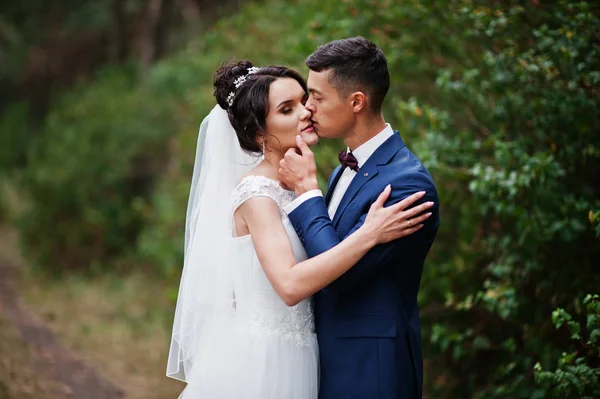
column 206, row 301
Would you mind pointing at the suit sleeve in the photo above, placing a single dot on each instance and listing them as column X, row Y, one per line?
column 313, row 225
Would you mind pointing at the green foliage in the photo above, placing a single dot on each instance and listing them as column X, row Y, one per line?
column 523, row 134
column 3, row 203
column 594, row 217
column 89, row 172
column 16, row 134
column 575, row 377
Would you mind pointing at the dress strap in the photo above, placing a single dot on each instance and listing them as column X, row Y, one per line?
column 257, row 186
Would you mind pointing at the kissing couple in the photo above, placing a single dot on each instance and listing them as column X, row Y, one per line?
column 286, row 293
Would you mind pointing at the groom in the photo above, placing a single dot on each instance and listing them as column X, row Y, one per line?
column 367, row 321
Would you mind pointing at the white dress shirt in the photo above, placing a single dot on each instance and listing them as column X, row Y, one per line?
column 362, row 154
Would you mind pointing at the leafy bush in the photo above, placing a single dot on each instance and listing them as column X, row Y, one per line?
column 519, row 128
column 89, row 172
column 576, row 377
column 17, row 132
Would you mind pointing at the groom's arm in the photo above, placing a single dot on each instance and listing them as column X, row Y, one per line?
column 311, row 221
column 310, row 194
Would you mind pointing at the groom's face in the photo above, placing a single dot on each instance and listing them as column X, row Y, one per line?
column 332, row 115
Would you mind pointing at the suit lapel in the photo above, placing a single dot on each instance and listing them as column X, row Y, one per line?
column 334, row 179
column 365, row 173
column 370, row 169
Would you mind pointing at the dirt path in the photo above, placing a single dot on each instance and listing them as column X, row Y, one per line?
column 51, row 360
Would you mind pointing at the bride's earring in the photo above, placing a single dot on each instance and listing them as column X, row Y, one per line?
column 263, row 146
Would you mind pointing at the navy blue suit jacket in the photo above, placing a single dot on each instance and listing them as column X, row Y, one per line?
column 367, row 321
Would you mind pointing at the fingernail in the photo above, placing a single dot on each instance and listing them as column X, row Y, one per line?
column 298, row 137
column 422, row 192
column 430, row 203
column 388, row 186
column 428, row 214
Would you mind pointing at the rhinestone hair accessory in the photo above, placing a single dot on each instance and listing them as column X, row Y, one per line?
column 239, row 82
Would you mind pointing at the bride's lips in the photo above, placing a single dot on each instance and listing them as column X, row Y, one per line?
column 308, row 128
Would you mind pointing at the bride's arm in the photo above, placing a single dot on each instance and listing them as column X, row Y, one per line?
column 294, row 282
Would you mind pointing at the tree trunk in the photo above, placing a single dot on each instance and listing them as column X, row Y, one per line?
column 148, row 45
column 119, row 47
column 163, row 29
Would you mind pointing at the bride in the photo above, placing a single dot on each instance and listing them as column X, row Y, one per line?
column 243, row 325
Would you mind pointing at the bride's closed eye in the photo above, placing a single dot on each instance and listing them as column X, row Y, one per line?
column 287, row 110
column 293, row 103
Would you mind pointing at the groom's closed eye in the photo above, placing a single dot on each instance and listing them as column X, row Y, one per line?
column 315, row 94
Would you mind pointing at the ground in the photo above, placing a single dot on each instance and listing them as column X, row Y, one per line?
column 105, row 337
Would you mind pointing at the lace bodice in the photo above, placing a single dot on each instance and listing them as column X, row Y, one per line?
column 257, row 303
column 262, row 186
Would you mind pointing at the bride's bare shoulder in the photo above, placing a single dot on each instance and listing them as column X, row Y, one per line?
column 262, row 170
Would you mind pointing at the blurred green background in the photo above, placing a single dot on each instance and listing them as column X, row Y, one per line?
column 99, row 109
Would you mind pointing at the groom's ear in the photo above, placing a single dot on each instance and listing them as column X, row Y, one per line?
column 358, row 100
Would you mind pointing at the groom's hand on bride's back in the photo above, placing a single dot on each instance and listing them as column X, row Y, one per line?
column 298, row 170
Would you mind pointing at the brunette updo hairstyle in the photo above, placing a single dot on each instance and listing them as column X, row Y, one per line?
column 248, row 113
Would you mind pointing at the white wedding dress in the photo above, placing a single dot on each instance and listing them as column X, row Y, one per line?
column 267, row 350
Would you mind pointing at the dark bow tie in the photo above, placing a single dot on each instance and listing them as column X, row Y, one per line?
column 347, row 159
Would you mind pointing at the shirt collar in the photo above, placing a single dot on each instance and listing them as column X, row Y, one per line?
column 365, row 150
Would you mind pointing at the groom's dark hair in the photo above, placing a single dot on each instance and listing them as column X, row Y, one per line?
column 357, row 64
